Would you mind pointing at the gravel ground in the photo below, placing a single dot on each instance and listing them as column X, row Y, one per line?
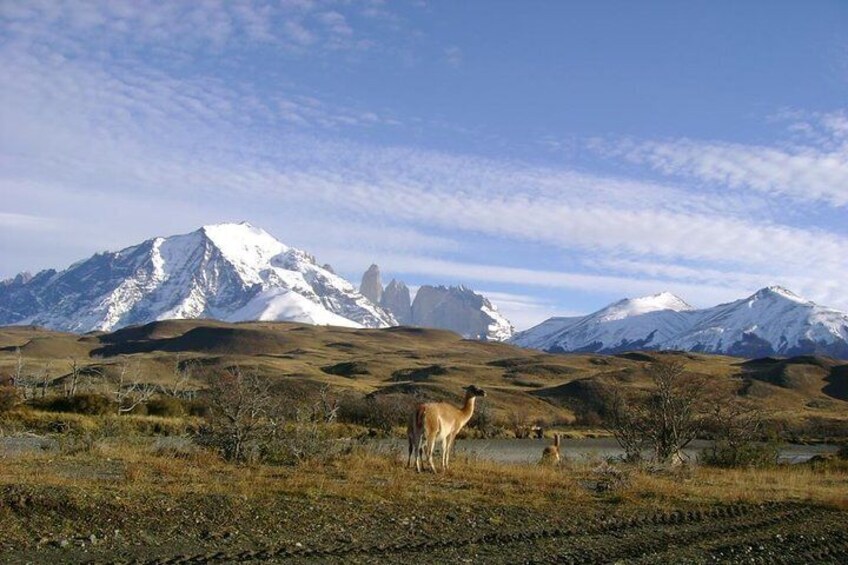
column 299, row 530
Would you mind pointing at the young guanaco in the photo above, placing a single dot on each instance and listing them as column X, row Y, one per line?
column 550, row 455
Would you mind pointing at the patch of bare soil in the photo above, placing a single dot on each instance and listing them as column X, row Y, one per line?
column 202, row 528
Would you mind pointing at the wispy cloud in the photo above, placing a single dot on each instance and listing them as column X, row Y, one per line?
column 817, row 172
column 114, row 143
column 167, row 25
column 453, row 55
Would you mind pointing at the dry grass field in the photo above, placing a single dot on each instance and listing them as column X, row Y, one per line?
column 136, row 488
column 134, row 500
column 803, row 392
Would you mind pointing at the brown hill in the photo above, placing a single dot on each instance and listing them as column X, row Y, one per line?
column 431, row 363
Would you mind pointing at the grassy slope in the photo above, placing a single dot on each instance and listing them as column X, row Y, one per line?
column 435, row 363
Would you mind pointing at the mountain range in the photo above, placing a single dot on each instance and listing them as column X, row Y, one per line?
column 455, row 308
column 229, row 272
column 772, row 321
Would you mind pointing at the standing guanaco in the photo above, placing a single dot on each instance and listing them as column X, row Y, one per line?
column 433, row 421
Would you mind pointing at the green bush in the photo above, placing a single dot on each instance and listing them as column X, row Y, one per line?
column 91, row 404
column 166, row 406
column 746, row 454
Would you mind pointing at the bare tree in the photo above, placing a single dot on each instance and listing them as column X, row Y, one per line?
column 44, row 378
column 519, row 421
column 129, row 391
column 626, row 421
column 326, row 408
column 242, row 412
column 22, row 380
column 665, row 418
column 736, row 426
column 181, row 377
column 73, row 379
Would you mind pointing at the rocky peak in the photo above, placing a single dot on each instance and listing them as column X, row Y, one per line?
column 371, row 286
column 396, row 299
column 459, row 309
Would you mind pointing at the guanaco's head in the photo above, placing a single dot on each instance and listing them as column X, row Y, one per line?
column 473, row 390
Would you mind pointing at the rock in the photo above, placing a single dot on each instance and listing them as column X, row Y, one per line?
column 396, row 299
column 459, row 309
column 371, row 286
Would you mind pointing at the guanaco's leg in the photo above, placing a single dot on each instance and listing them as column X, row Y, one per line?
column 431, row 446
column 448, row 449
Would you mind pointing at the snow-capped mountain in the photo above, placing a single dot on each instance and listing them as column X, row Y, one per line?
column 230, row 272
column 772, row 321
column 632, row 323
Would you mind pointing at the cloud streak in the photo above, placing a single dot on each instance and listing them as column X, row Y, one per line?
column 816, row 172
column 117, row 143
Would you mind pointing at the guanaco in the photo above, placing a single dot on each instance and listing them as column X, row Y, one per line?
column 550, row 455
column 433, row 421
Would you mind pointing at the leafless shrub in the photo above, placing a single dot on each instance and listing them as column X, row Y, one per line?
column 484, row 422
column 181, row 377
column 736, row 426
column 664, row 419
column 8, row 398
column 242, row 413
column 326, row 407
column 129, row 391
column 380, row 412
column 519, row 422
column 610, row 478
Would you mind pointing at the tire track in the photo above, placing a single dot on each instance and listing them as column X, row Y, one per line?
column 616, row 538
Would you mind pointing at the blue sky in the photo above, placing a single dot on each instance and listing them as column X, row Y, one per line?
column 556, row 155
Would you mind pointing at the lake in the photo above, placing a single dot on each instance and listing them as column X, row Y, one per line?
column 530, row 450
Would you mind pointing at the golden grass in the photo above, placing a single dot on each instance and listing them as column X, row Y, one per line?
column 132, row 468
column 297, row 354
column 826, row 485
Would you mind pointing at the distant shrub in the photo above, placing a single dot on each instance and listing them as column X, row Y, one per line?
column 90, row 404
column 746, row 454
column 588, row 417
column 297, row 442
column 484, row 422
column 8, row 398
column 843, row 452
column 166, row 406
column 199, row 408
column 380, row 412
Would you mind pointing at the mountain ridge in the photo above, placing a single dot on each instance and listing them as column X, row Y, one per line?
column 227, row 271
column 771, row 321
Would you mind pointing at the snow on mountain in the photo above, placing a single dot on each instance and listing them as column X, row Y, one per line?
column 455, row 308
column 771, row 321
column 459, row 309
column 542, row 333
column 632, row 323
column 230, row 272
